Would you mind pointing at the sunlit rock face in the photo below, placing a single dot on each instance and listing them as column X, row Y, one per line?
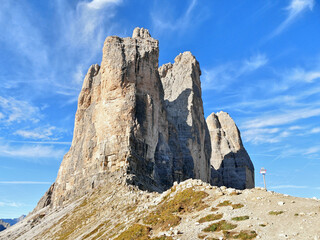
column 231, row 164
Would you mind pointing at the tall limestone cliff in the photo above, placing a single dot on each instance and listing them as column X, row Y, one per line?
column 143, row 125
column 127, row 125
column 231, row 164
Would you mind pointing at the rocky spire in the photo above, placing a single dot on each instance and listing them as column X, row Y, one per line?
column 231, row 164
column 182, row 94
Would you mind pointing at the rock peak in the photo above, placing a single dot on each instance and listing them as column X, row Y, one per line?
column 141, row 125
column 232, row 166
column 140, row 32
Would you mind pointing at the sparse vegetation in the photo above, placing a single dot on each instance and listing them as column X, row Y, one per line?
column 220, row 226
column 162, row 238
column 213, row 209
column 96, row 230
column 210, row 217
column 262, row 225
column 243, row 235
column 275, row 212
column 237, row 205
column 240, row 218
column 224, row 203
column 296, row 214
column 228, row 203
column 135, row 232
column 165, row 216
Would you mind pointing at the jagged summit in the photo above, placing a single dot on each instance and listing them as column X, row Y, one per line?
column 141, row 32
column 142, row 125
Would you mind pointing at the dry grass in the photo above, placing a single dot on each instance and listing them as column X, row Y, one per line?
column 211, row 217
column 220, row 226
column 237, row 205
column 243, row 235
column 224, row 203
column 135, row 232
column 275, row 213
column 165, row 216
column 240, row 218
column 228, row 203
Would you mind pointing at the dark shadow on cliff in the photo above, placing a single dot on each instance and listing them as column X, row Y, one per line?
column 233, row 171
column 173, row 159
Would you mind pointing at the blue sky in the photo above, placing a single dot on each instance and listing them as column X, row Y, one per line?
column 260, row 62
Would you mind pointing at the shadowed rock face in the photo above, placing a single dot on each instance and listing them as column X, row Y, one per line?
column 182, row 94
column 231, row 164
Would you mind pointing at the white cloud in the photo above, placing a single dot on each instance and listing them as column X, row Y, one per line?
column 31, row 152
column 44, row 133
column 98, row 4
column 293, row 128
column 10, row 204
column 281, row 118
column 294, row 10
column 315, row 130
column 312, row 150
column 253, row 63
column 287, row 186
column 24, row 182
column 260, row 135
column 14, row 110
column 163, row 20
column 41, row 142
column 218, row 78
column 21, row 36
column 299, row 74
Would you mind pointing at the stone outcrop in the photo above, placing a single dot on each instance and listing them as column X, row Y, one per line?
column 231, row 164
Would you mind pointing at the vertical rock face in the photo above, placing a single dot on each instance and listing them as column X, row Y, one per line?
column 182, row 94
column 231, row 163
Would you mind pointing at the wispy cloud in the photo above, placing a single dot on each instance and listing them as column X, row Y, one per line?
column 44, row 133
column 218, row 78
column 315, row 130
column 10, row 204
column 31, row 153
column 41, row 142
column 299, row 74
column 13, row 110
column 288, row 186
column 25, row 182
column 295, row 9
column 21, row 36
column 312, row 150
column 281, row 118
column 261, row 135
column 164, row 21
column 98, row 4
